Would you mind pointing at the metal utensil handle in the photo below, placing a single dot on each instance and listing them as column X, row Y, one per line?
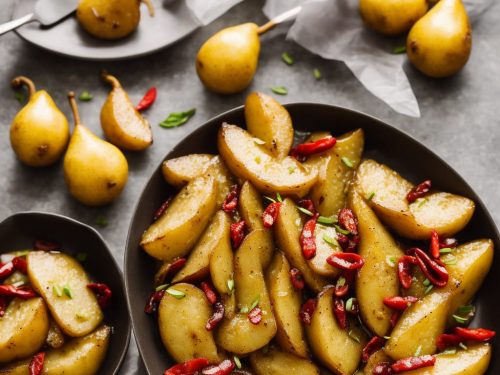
column 14, row 24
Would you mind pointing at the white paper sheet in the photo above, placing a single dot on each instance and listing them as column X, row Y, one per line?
column 206, row 11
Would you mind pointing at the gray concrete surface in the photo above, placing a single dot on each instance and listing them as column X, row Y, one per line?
column 459, row 115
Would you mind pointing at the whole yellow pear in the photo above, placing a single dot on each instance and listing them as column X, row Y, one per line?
column 392, row 17
column 39, row 133
column 95, row 171
column 227, row 61
column 439, row 44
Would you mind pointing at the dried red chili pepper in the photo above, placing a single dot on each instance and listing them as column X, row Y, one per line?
column 36, row 365
column 307, row 238
column 297, row 279
column 404, row 270
column 382, row 368
column 188, row 367
column 270, row 214
column 448, row 243
column 399, row 303
column 353, row 243
column 148, row 100
column 237, row 232
column 344, row 283
column 434, row 269
column 346, row 261
column 413, row 363
column 217, row 316
column 348, row 220
column 3, row 306
column 209, row 292
column 376, row 343
column 102, row 292
column 309, row 148
column 231, row 201
column 161, row 210
column 396, row 314
column 24, row 292
column 255, row 315
column 20, row 264
column 476, row 334
column 46, row 245
column 340, row 314
column 6, row 269
column 419, row 191
column 343, row 241
column 434, row 249
column 153, row 301
column 446, row 340
column 308, row 205
column 223, row 368
column 307, row 311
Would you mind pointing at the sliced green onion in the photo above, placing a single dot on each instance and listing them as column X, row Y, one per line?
column 348, row 162
column 176, row 293
column 57, row 290
column 254, row 303
column 317, row 74
column 327, row 220
column 341, row 281
column 370, row 197
column 230, row 284
column 244, row 310
column 387, row 337
column 272, row 200
column 466, row 309
column 451, row 260
column 81, row 316
column 399, row 50
column 291, row 170
column 237, row 361
column 353, row 336
column 445, row 250
column 340, row 230
column 278, row 197
column 330, row 240
column 418, row 351
column 428, row 289
column 349, row 303
column 463, row 346
column 257, row 159
column 426, row 282
column 390, row 260
column 85, row 96
column 304, row 211
column 67, row 291
column 287, row 58
column 421, row 202
column 280, row 90
column 460, row 319
column 161, row 287
column 259, row 141
column 450, row 351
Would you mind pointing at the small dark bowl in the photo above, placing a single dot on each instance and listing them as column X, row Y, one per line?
column 383, row 143
column 20, row 231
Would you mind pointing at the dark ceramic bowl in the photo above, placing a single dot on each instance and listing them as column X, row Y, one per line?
column 19, row 232
column 383, row 143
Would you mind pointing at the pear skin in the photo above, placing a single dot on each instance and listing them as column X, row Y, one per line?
column 95, row 171
column 39, row 133
column 227, row 61
column 122, row 124
column 439, row 44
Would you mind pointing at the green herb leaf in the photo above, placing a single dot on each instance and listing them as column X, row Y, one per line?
column 445, row 250
column 317, row 74
column 291, row 170
column 349, row 303
column 426, row 282
column 341, row 281
column 348, row 162
column 399, row 50
column 20, row 97
column 81, row 316
column 418, row 351
column 85, row 96
column 353, row 336
column 466, row 309
column 330, row 240
column 57, row 290
column 429, row 288
column 67, row 291
column 340, row 230
column 460, row 319
column 387, row 337
column 101, row 221
column 390, row 260
column 237, row 361
column 449, row 351
column 278, row 197
column 272, row 200
column 287, row 58
column 327, row 220
column 254, row 303
column 304, row 211
column 81, row 257
column 176, row 293
column 230, row 284
column 175, row 119
column 244, row 310
column 280, row 90
column 450, row 260
column 463, row 346
column 421, row 202
column 370, row 197
column 161, row 287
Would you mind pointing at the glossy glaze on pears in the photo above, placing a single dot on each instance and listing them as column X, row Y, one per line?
column 122, row 124
column 39, row 133
column 95, row 171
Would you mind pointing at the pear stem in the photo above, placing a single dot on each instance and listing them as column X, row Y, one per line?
column 110, row 79
column 22, row 80
column 286, row 16
column 151, row 8
column 74, row 107
column 266, row 27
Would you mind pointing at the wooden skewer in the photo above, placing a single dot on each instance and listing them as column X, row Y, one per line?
column 288, row 15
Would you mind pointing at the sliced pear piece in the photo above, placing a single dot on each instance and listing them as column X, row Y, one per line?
column 332, row 345
column 277, row 362
column 287, row 231
column 446, row 213
column 122, row 124
column 23, row 329
column 286, row 303
column 377, row 279
column 177, row 230
column 238, row 335
column 326, row 245
column 251, row 161
column 62, row 283
column 197, row 265
column 335, row 168
column 178, row 172
column 269, row 121
column 55, row 337
column 374, row 360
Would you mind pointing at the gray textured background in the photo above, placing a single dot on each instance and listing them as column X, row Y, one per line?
column 459, row 115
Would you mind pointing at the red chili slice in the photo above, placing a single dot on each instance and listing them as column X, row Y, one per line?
column 404, row 270
column 353, row 243
column 419, row 191
column 148, row 100
column 297, row 279
column 23, row 292
column 217, row 316
column 102, row 292
column 307, row 311
column 309, row 148
column 46, row 245
column 223, row 368
column 20, row 264
column 435, row 244
column 161, row 210
column 255, row 315
column 477, row 334
column 446, row 340
column 209, row 292
column 413, row 363
column 231, row 201
column 188, row 367
column 343, row 241
column 399, row 303
column 308, row 205
column 382, row 368
column 237, row 231
column 346, row 261
column 153, row 301
column 36, row 365
column 340, row 314
column 344, row 283
column 348, row 220
column 6, row 269
column 307, row 238
column 175, row 266
column 396, row 314
column 270, row 214
column 434, row 269
column 448, row 243
column 376, row 343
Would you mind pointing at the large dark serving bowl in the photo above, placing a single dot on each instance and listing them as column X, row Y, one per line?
column 19, row 231
column 383, row 143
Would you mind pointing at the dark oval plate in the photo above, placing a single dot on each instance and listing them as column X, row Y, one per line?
column 21, row 230
column 383, row 143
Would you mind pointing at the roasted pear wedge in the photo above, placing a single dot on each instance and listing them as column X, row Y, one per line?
column 326, row 245
column 335, row 168
column 238, row 335
column 177, row 230
column 251, row 161
column 374, row 360
column 277, row 362
column 377, row 279
column 269, row 121
column 446, row 213
column 178, row 172
column 286, row 303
